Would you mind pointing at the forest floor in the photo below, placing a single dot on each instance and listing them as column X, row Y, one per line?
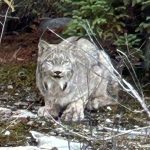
column 18, row 55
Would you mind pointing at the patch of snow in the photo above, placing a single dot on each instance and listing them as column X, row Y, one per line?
column 20, row 148
column 4, row 112
column 48, row 142
column 23, row 113
column 9, row 87
column 109, row 108
column 118, row 116
column 16, row 94
column 7, row 133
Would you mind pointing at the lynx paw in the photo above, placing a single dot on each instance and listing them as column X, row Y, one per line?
column 74, row 112
column 47, row 112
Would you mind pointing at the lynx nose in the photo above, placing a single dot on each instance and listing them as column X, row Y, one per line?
column 57, row 72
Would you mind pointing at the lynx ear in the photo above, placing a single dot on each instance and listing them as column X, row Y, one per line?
column 43, row 46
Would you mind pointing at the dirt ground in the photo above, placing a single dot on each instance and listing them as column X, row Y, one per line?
column 20, row 48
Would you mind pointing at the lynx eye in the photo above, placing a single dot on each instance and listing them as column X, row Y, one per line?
column 66, row 63
column 47, row 66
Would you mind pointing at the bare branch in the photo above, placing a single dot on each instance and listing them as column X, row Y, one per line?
column 123, row 132
column 9, row 17
column 3, row 26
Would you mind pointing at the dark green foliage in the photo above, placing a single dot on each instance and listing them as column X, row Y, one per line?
column 125, row 23
column 100, row 15
column 40, row 8
column 29, row 12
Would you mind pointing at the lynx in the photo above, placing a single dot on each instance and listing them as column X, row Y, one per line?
column 73, row 75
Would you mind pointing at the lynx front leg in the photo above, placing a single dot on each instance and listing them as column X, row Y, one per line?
column 49, row 110
column 74, row 111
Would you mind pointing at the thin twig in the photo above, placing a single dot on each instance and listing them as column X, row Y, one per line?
column 64, row 127
column 14, row 56
column 3, row 26
column 134, row 73
column 127, row 132
column 10, row 17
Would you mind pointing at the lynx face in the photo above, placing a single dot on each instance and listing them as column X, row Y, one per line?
column 58, row 66
column 55, row 68
column 58, row 69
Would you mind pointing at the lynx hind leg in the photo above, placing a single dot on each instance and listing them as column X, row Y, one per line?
column 101, row 101
column 74, row 111
column 113, row 89
column 105, row 95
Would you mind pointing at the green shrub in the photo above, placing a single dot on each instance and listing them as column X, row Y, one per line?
column 100, row 15
column 124, row 23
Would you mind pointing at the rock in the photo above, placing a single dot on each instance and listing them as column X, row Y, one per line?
column 54, row 23
column 108, row 121
column 21, row 104
column 30, row 123
column 16, row 94
column 5, row 112
column 109, row 108
column 30, row 99
column 118, row 116
column 9, row 87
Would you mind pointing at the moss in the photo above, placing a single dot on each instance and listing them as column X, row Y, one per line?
column 18, row 134
column 18, row 74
